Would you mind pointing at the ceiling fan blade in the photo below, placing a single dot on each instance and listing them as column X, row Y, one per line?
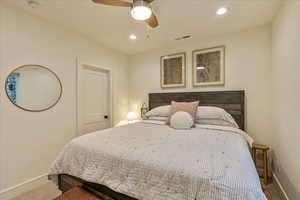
column 149, row 1
column 114, row 3
column 152, row 21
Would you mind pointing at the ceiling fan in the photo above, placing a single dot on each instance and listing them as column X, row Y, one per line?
column 140, row 9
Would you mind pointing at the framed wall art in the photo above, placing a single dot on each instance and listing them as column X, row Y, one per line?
column 209, row 66
column 173, row 70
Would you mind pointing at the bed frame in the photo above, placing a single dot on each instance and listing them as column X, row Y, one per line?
column 67, row 182
column 231, row 101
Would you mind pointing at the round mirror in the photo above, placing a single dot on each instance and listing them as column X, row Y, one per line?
column 33, row 88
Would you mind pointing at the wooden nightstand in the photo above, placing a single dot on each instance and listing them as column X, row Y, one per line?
column 262, row 170
column 267, row 193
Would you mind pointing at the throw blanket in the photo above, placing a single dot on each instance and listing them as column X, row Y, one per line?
column 149, row 161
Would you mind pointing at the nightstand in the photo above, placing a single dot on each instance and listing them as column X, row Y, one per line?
column 262, row 170
column 267, row 193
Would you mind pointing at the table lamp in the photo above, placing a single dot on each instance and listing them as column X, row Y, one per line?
column 131, row 116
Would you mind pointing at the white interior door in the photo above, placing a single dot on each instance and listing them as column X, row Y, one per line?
column 93, row 99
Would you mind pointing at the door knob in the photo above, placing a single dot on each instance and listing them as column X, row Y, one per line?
column 105, row 117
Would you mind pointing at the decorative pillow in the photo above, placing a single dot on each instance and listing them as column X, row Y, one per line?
column 181, row 120
column 189, row 107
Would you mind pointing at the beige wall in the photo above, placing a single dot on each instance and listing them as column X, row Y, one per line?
column 2, row 171
column 286, row 97
column 248, row 62
column 31, row 141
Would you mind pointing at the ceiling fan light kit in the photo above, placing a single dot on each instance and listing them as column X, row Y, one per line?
column 141, row 10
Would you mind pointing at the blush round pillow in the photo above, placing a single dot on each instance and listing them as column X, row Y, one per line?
column 181, row 120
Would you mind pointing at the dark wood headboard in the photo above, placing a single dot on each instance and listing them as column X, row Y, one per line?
column 231, row 101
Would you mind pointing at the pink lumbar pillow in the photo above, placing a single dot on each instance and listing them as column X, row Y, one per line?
column 189, row 107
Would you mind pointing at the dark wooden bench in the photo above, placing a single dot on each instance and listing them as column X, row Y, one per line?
column 67, row 182
column 77, row 193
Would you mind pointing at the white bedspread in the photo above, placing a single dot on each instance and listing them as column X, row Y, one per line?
column 155, row 162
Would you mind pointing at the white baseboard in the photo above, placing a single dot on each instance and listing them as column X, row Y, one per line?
column 26, row 186
column 280, row 187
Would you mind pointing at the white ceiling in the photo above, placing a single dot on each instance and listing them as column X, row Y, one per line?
column 111, row 26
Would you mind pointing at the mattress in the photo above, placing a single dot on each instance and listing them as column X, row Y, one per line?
column 151, row 161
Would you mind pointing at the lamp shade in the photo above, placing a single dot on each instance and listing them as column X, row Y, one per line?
column 131, row 116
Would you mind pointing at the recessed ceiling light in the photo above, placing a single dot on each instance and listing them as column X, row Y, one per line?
column 200, row 68
column 132, row 37
column 221, row 11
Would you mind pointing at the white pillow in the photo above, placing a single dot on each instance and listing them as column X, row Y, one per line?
column 158, row 118
column 181, row 120
column 161, row 111
column 215, row 114
column 210, row 112
column 218, row 122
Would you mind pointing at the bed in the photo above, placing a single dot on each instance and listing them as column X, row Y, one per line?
column 149, row 160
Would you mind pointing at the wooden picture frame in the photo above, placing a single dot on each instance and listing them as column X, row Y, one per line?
column 173, row 71
column 209, row 66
